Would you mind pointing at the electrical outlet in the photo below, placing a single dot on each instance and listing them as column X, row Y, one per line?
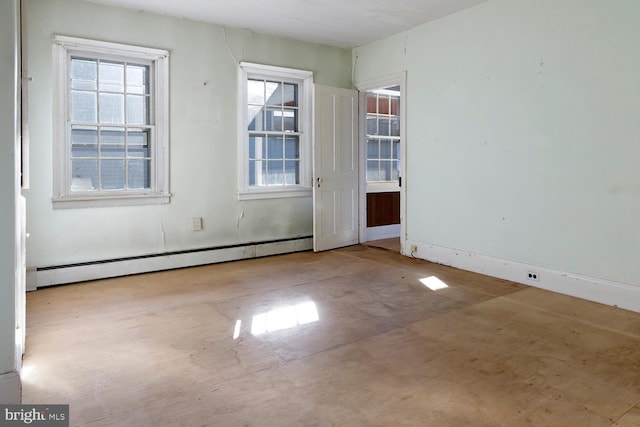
column 533, row 275
column 196, row 223
column 414, row 249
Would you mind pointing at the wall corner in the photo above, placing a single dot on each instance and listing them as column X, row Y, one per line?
column 10, row 389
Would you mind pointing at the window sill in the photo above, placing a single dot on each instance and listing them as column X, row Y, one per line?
column 382, row 187
column 277, row 193
column 94, row 201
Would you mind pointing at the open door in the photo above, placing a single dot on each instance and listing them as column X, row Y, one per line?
column 335, row 168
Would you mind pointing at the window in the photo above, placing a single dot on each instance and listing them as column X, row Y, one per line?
column 383, row 135
column 275, row 147
column 111, row 124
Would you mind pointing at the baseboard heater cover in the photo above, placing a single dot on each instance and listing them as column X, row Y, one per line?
column 102, row 269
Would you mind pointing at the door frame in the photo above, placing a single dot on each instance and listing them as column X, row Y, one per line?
column 388, row 80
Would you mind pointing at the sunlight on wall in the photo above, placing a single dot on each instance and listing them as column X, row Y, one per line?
column 284, row 318
column 433, row 283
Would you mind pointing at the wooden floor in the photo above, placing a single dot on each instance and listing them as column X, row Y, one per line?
column 353, row 337
column 392, row 244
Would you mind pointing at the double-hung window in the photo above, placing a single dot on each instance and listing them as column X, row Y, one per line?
column 111, row 124
column 275, row 144
column 383, row 135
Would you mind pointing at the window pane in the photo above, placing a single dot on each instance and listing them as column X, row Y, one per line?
column 273, row 93
column 261, row 173
column 84, row 175
column 291, row 172
column 385, row 170
column 396, row 150
column 383, row 126
column 137, row 81
column 138, row 143
column 255, row 118
column 395, row 172
column 138, row 174
column 252, row 172
column 274, row 120
column 383, row 105
column 372, row 149
column 395, row 106
column 275, row 147
column 372, row 170
column 275, row 172
column 290, row 120
column 111, row 76
column 112, row 142
column 83, row 106
column 112, row 174
column 255, row 92
column 385, row 149
column 257, row 147
column 111, row 108
column 292, row 147
column 395, row 127
column 290, row 95
column 137, row 109
column 371, row 126
column 84, row 142
column 371, row 104
column 257, row 172
column 83, row 74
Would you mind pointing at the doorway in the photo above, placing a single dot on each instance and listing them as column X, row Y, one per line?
column 382, row 171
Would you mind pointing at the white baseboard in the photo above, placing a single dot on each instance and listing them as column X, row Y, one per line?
column 382, row 232
column 603, row 291
column 37, row 278
column 10, row 389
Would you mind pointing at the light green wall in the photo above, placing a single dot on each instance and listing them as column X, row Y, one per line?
column 10, row 186
column 203, row 137
column 523, row 132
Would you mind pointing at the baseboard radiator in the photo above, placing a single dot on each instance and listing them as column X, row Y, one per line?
column 39, row 277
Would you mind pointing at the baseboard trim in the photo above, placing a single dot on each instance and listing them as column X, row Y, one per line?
column 382, row 232
column 10, row 389
column 58, row 275
column 623, row 295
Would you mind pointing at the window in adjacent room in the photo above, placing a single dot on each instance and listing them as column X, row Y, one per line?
column 111, row 124
column 383, row 135
column 275, row 144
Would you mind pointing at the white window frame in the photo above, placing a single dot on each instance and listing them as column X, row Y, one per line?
column 63, row 48
column 390, row 185
column 304, row 79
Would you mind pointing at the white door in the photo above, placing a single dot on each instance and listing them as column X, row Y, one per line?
column 335, row 168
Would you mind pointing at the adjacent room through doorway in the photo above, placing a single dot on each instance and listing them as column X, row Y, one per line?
column 381, row 114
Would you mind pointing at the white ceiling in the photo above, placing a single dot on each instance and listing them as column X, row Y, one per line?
column 341, row 23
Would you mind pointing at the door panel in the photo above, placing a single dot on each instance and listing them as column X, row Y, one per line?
column 335, row 165
column 383, row 208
